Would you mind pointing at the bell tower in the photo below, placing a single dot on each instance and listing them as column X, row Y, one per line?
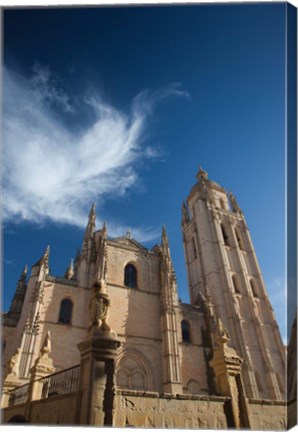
column 221, row 262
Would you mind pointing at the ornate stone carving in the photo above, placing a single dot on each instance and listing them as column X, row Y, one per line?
column 12, row 379
column 35, row 325
column 204, row 190
column 223, row 355
column 32, row 324
column 38, row 293
column 70, row 270
column 44, row 260
column 13, row 365
column 47, row 345
column 89, row 231
column 234, row 204
column 99, row 306
column 185, row 214
column 43, row 365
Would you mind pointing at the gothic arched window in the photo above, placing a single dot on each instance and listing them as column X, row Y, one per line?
column 185, row 329
column 236, row 284
column 225, row 235
column 239, row 239
column 65, row 311
column 254, row 288
column 130, row 276
column 222, row 204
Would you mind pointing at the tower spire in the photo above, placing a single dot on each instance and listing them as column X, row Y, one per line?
column 44, row 260
column 234, row 204
column 89, row 231
column 91, row 221
column 13, row 316
column 202, row 174
column 185, row 214
column 70, row 270
column 172, row 381
column 164, row 241
column 22, row 285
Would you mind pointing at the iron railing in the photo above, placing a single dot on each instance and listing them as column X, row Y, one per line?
column 18, row 395
column 59, row 383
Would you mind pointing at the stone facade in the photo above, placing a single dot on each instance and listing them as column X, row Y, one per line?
column 146, row 359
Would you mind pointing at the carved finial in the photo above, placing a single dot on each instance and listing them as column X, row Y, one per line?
column 22, row 285
column 128, row 234
column 44, row 260
column 203, row 182
column 17, row 302
column 77, row 260
column 202, row 174
column 70, row 270
column 91, row 222
column 234, row 204
column 164, row 232
column 92, row 210
column 164, row 240
column 222, row 331
column 47, row 344
column 185, row 214
column 92, row 217
column 43, row 365
column 13, row 365
column 89, row 230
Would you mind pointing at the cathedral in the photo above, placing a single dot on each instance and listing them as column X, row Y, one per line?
column 110, row 343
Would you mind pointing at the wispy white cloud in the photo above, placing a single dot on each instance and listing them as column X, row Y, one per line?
column 9, row 261
column 46, row 89
column 52, row 173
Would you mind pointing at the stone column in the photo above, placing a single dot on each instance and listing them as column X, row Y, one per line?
column 96, row 394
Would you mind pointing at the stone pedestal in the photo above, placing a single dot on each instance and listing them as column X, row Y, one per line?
column 11, row 382
column 95, row 403
column 226, row 364
column 42, row 368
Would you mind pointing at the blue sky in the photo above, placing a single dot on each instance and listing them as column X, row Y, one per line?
column 120, row 106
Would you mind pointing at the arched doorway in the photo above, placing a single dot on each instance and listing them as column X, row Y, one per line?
column 18, row 419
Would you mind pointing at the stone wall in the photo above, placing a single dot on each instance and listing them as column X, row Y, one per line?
column 193, row 361
column 146, row 263
column 292, row 413
column 54, row 410
column 65, row 337
column 267, row 415
column 152, row 410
